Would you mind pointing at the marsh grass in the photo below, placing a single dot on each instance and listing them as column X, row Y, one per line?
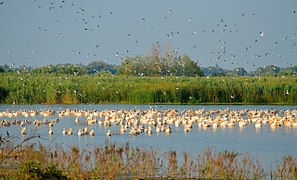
column 70, row 89
column 286, row 168
column 123, row 161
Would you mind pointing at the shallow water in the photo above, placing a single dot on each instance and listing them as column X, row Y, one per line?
column 269, row 145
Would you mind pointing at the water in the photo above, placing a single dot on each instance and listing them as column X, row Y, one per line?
column 269, row 145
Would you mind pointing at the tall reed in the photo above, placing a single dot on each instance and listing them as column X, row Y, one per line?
column 123, row 161
column 70, row 89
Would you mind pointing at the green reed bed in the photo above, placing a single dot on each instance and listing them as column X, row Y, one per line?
column 70, row 89
column 123, row 161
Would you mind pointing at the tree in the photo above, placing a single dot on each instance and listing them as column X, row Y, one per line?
column 126, row 68
column 98, row 66
column 170, row 64
column 155, row 62
column 190, row 68
column 239, row 72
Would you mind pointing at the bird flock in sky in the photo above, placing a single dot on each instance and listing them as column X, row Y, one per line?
column 222, row 33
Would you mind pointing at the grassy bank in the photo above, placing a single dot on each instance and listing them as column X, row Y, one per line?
column 70, row 89
column 114, row 161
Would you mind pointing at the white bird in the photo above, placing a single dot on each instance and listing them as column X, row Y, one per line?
column 64, row 132
column 80, row 132
column 76, row 120
column 168, row 130
column 23, row 131
column 287, row 92
column 70, row 131
column 108, row 133
column 92, row 133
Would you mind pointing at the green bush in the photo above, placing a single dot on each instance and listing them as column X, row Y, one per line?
column 33, row 170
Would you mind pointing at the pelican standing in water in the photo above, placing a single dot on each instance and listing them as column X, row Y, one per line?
column 80, row 132
column 50, row 132
column 64, row 132
column 168, row 130
column 76, row 120
column 70, row 131
column 108, row 133
column 92, row 133
column 23, row 131
column 258, row 124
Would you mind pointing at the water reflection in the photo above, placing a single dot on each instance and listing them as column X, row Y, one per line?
column 257, row 130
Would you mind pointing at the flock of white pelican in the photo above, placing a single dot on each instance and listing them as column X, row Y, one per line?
column 135, row 121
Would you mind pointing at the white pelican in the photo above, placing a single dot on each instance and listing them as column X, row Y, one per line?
column 168, row 130
column 122, row 130
column 158, row 129
column 186, row 129
column 273, row 125
column 223, row 124
column 70, row 131
column 242, row 124
column 85, row 130
column 204, row 125
column 92, row 133
column 80, row 132
column 64, row 132
column 50, row 124
column 149, row 132
column 108, row 133
column 23, row 131
column 258, row 124
column 76, row 120
column 230, row 124
column 215, row 125
column 100, row 123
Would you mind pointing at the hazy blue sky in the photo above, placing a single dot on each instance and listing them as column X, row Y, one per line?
column 230, row 33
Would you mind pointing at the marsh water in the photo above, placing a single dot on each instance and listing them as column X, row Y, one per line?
column 267, row 144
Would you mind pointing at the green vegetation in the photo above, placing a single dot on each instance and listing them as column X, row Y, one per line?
column 170, row 64
column 106, row 88
column 114, row 161
column 160, row 62
column 165, row 77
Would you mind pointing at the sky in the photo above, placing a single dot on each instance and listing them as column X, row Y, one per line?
column 230, row 33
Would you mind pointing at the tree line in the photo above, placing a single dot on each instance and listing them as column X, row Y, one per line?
column 143, row 66
column 159, row 63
